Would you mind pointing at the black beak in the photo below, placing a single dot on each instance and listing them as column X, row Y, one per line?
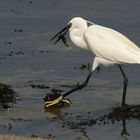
column 61, row 35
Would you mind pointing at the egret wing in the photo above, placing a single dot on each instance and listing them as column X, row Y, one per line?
column 111, row 45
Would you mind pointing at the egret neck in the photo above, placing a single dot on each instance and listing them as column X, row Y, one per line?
column 77, row 32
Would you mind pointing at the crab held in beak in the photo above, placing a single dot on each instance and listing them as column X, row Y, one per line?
column 61, row 35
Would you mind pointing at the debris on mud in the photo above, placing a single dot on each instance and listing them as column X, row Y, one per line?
column 54, row 90
column 84, row 66
column 8, row 43
column 42, row 86
column 11, row 53
column 49, row 137
column 46, row 51
column 18, row 30
column 34, row 136
column 7, row 95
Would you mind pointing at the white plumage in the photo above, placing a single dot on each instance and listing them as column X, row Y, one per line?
column 109, row 46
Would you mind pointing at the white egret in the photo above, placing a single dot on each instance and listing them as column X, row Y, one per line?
column 109, row 46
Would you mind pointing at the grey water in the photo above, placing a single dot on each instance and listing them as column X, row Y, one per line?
column 29, row 57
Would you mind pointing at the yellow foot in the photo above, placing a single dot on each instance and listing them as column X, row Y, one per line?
column 56, row 101
column 67, row 101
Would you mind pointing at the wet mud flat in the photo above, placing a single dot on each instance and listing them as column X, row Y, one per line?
column 8, row 137
column 83, row 119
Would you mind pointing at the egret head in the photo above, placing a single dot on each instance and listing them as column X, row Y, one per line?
column 76, row 25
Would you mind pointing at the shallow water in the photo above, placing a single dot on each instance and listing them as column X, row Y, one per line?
column 28, row 57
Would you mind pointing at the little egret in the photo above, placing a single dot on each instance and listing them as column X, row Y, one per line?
column 109, row 46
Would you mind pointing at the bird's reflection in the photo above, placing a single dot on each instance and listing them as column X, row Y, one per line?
column 130, row 111
column 55, row 113
column 124, row 131
column 83, row 136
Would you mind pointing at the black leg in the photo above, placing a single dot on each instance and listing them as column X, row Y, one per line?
column 125, row 85
column 78, row 87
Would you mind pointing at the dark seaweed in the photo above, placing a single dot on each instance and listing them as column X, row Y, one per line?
column 7, row 95
column 42, row 86
column 117, row 114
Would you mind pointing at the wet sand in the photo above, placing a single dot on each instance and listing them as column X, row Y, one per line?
column 19, row 138
column 32, row 65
